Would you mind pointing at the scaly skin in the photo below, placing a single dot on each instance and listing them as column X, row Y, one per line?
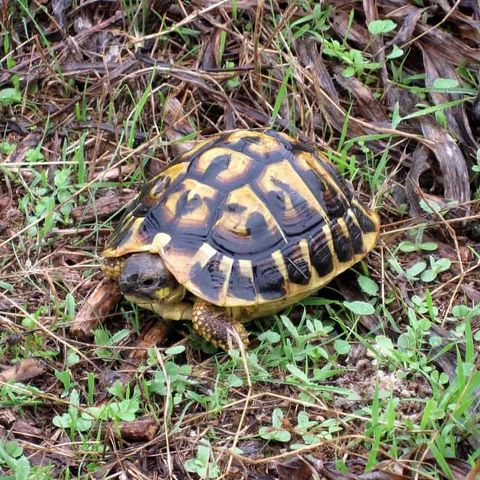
column 213, row 324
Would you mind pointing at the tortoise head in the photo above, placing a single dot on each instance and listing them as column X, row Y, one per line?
column 144, row 279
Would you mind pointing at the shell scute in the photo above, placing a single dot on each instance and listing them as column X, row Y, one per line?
column 320, row 252
column 342, row 243
column 241, row 284
column 297, row 265
column 211, row 279
column 269, row 280
column 245, row 225
column 355, row 233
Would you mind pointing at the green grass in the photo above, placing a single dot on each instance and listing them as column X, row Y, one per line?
column 378, row 372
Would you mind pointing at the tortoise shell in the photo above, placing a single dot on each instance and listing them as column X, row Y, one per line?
column 247, row 218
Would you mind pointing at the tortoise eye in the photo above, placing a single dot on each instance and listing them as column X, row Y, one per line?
column 148, row 282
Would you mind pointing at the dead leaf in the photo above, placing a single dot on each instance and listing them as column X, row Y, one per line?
column 456, row 116
column 454, row 172
column 26, row 369
column 58, row 9
column 411, row 16
column 309, row 467
column 369, row 108
column 323, row 84
column 471, row 292
column 209, row 58
column 451, row 161
column 344, row 28
column 177, row 125
column 447, row 47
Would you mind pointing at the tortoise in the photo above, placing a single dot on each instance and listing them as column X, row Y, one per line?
column 240, row 227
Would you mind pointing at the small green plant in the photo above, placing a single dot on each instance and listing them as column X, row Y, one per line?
column 436, row 267
column 424, row 306
column 234, row 82
column 66, row 378
column 6, row 148
column 315, row 329
column 428, row 274
column 277, row 430
column 304, row 428
column 10, row 96
column 415, row 270
column 417, row 246
column 314, row 24
column 395, row 53
column 310, row 431
column 73, row 419
column 367, row 285
column 104, row 339
column 122, row 407
column 431, row 206
column 356, row 63
column 204, row 463
column 172, row 380
column 41, row 199
column 476, row 168
column 12, row 457
column 359, row 307
column 380, row 27
column 313, row 432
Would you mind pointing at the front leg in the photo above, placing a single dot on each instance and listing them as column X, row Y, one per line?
column 213, row 324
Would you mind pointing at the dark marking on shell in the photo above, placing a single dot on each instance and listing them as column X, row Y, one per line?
column 217, row 165
column 320, row 254
column 140, row 210
column 366, row 224
column 239, row 285
column 122, row 232
column 258, row 237
column 334, row 204
column 188, row 241
column 341, row 243
column 335, row 176
column 152, row 224
column 268, row 279
column 355, row 235
column 236, row 208
column 160, row 185
column 209, row 279
column 298, row 267
column 187, row 205
column 296, row 223
column 256, row 226
column 242, row 145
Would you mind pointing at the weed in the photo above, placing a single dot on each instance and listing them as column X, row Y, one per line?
column 203, row 464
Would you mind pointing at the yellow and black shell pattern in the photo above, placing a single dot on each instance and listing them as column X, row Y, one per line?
column 247, row 218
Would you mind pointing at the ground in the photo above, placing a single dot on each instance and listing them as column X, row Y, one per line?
column 374, row 377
